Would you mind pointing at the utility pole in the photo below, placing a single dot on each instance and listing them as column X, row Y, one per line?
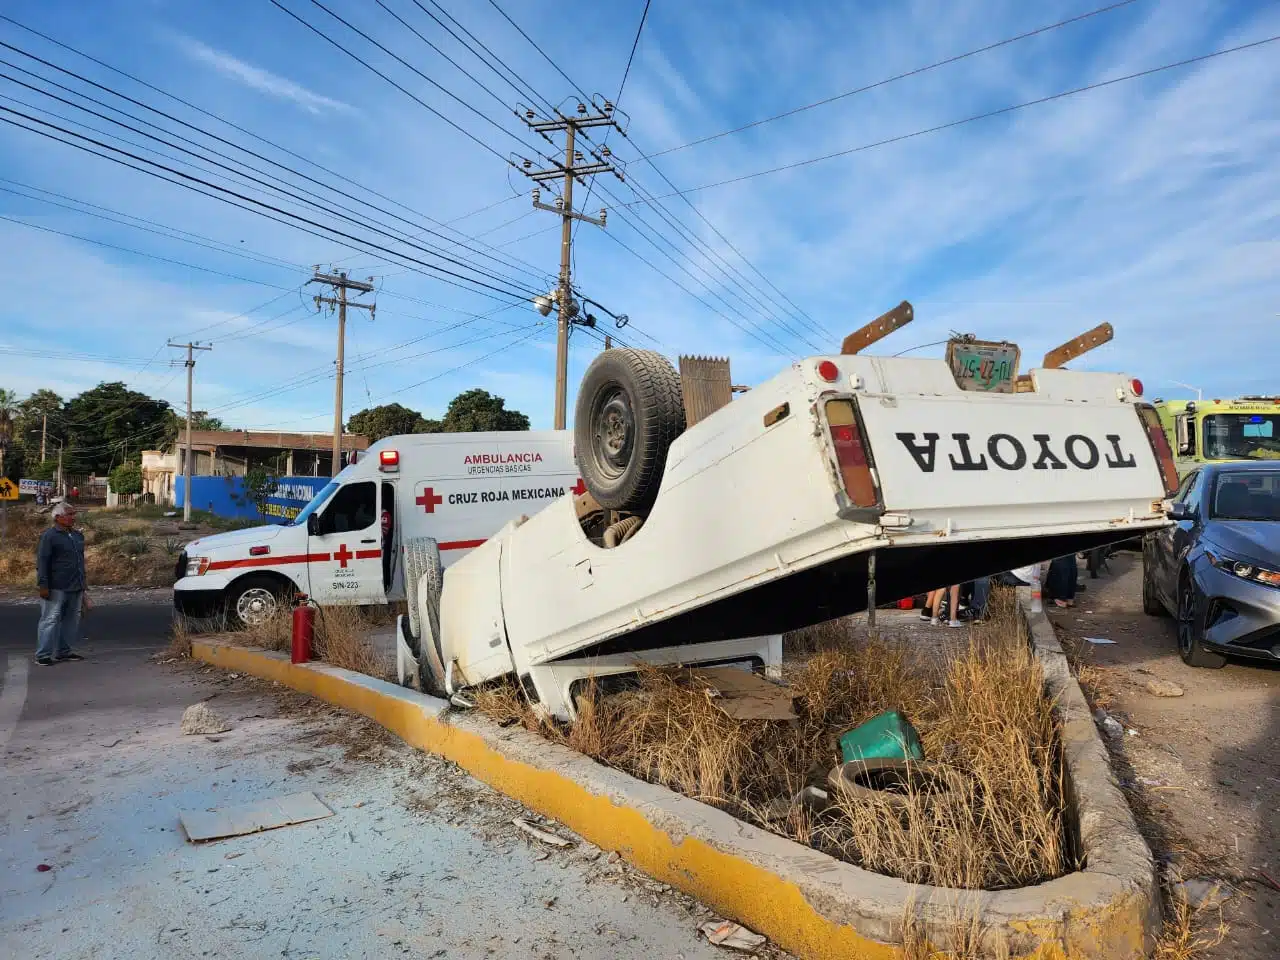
column 186, row 464
column 339, row 281
column 573, row 168
column 44, row 434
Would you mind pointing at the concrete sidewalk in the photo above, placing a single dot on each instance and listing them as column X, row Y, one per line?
column 418, row 858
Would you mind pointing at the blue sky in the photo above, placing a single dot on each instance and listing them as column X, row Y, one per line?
column 1153, row 204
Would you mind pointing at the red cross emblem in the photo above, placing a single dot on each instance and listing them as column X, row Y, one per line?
column 428, row 500
column 579, row 488
column 343, row 555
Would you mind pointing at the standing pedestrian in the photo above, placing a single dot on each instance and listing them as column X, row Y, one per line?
column 60, row 577
column 1062, row 581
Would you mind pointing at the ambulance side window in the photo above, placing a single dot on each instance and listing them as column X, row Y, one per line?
column 354, row 507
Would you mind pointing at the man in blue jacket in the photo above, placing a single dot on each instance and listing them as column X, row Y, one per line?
column 60, row 578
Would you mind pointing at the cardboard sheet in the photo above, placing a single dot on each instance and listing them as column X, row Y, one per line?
column 743, row 695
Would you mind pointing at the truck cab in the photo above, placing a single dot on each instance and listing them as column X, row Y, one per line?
column 350, row 544
column 1221, row 431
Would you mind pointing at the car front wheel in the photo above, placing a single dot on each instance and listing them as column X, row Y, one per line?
column 1191, row 629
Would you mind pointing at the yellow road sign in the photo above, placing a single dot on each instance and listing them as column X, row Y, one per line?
column 8, row 489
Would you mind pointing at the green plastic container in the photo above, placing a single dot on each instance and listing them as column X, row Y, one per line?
column 889, row 736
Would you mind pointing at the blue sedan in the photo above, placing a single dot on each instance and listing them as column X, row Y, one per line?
column 1217, row 568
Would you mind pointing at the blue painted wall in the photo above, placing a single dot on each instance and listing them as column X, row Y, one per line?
column 224, row 497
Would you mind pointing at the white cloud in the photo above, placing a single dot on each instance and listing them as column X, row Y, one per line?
column 264, row 81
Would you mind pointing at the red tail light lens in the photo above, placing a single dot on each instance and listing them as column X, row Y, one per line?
column 851, row 453
column 1160, row 447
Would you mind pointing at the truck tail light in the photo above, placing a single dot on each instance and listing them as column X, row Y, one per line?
column 851, row 453
column 1160, row 447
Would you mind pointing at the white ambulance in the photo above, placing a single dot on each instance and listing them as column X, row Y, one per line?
column 351, row 543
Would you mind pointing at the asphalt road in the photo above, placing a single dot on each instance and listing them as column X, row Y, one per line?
column 417, row 858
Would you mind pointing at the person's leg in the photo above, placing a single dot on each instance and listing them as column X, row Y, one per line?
column 935, row 604
column 954, row 607
column 70, row 625
column 50, row 626
column 1057, row 583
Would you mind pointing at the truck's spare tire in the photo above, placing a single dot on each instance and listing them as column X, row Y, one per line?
column 628, row 413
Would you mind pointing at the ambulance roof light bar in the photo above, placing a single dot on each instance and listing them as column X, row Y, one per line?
column 389, row 461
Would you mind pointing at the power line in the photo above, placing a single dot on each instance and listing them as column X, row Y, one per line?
column 973, row 119
column 150, row 226
column 651, row 201
column 259, row 203
column 249, row 133
column 896, row 77
column 377, row 226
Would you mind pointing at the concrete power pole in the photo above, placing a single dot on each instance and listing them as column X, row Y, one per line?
column 573, row 168
column 338, row 281
column 44, row 435
column 186, row 460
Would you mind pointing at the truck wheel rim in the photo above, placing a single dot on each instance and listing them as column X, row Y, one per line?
column 613, row 433
column 256, row 605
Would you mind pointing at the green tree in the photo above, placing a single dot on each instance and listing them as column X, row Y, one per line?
column 45, row 470
column 259, row 485
column 111, row 423
column 478, row 410
column 388, row 420
column 8, row 425
column 126, row 478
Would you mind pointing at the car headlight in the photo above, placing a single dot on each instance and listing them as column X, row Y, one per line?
column 196, row 566
column 1244, row 569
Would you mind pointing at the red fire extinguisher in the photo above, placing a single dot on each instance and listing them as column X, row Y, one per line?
column 304, row 628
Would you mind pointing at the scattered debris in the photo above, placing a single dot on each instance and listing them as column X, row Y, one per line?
column 1163, row 688
column 252, row 817
column 888, row 779
column 113, row 743
column 726, row 933
column 1099, row 641
column 232, row 856
column 890, row 736
column 743, row 695
column 1203, row 891
column 199, row 719
column 542, row 835
column 1110, row 725
column 1266, row 876
column 43, row 868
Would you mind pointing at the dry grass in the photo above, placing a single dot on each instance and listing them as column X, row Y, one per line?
column 118, row 550
column 341, row 639
column 982, row 716
column 1188, row 931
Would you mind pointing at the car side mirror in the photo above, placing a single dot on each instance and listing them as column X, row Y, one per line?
column 1177, row 511
column 313, row 525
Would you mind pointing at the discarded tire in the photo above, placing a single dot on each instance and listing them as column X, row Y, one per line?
column 891, row 780
column 629, row 411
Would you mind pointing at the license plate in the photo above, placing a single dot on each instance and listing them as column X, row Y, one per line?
column 983, row 366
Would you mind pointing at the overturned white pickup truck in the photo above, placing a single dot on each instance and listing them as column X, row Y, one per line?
column 703, row 545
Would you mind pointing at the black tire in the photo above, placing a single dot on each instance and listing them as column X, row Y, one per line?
column 257, row 599
column 1191, row 629
column 629, row 411
column 1151, row 604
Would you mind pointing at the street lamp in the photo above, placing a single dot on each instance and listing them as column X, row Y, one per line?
column 1187, row 386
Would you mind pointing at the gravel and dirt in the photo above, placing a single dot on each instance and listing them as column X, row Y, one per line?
column 1201, row 769
column 418, row 859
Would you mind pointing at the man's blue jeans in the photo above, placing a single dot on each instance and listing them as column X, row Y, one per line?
column 59, row 622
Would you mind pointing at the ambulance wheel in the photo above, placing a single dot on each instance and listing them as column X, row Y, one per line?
column 256, row 600
column 629, row 412
column 424, row 578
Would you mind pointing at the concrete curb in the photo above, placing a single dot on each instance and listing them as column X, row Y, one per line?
column 810, row 904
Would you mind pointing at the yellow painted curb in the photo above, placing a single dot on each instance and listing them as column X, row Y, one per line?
column 730, row 882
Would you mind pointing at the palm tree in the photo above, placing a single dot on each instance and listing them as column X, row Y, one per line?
column 8, row 408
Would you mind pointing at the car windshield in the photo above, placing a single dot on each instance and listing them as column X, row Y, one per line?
column 1247, row 495
column 316, row 503
column 1242, row 436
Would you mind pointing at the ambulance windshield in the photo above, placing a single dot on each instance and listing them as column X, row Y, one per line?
column 316, row 503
